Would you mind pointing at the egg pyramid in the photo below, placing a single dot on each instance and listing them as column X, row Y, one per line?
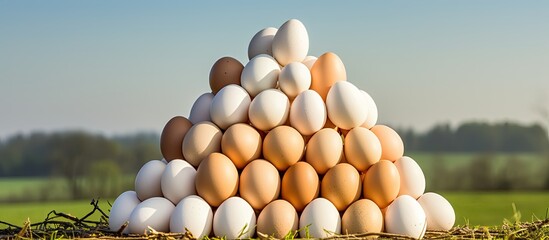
column 281, row 146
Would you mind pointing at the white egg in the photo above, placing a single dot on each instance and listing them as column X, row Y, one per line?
column 194, row 214
column 440, row 213
column 322, row 219
column 369, row 103
column 121, row 210
column 291, row 42
column 294, row 78
column 309, row 61
column 262, row 42
column 147, row 180
column 345, row 105
column 230, row 106
column 178, row 180
column 412, row 180
column 234, row 218
column 405, row 216
column 308, row 112
column 259, row 74
column 270, row 108
column 200, row 110
column 154, row 212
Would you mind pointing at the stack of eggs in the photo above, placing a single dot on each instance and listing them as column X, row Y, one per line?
column 283, row 145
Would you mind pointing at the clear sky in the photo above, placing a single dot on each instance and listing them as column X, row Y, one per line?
column 122, row 66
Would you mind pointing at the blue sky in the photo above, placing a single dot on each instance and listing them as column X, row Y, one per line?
column 123, row 66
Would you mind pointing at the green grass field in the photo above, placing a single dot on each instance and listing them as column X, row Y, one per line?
column 485, row 209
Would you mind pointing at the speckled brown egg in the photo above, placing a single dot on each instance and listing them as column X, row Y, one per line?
column 341, row 185
column 225, row 71
column 172, row 137
column 300, row 185
column 381, row 183
column 216, row 179
column 277, row 219
column 363, row 216
column 242, row 143
column 283, row 146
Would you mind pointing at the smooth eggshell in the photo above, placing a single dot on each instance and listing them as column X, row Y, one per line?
column 363, row 216
column 294, row 78
column 345, row 107
column 322, row 218
column 381, row 183
column 439, row 212
column 324, row 150
column 308, row 113
column 259, row 183
column 309, row 61
column 362, row 148
column 262, row 42
column 341, row 185
column 327, row 70
column 291, row 42
column 277, row 219
column 216, row 179
column 147, row 180
column 121, row 210
column 412, row 180
column 406, row 217
column 392, row 147
column 300, row 185
column 234, row 218
column 369, row 103
column 152, row 213
column 172, row 137
column 230, row 106
column 269, row 109
column 283, row 146
column 194, row 214
column 225, row 71
column 177, row 180
column 242, row 143
column 200, row 111
column 201, row 140
column 259, row 74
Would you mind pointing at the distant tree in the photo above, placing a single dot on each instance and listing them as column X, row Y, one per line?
column 480, row 172
column 440, row 138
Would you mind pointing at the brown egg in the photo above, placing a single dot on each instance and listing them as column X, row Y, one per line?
column 172, row 137
column 381, row 183
column 363, row 216
column 277, row 219
column 242, row 144
column 362, row 148
column 216, row 179
column 259, row 183
column 300, row 185
column 327, row 70
column 341, row 185
column 283, row 146
column 202, row 139
column 392, row 147
column 225, row 71
column 324, row 150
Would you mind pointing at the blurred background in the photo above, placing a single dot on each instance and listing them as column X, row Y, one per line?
column 87, row 86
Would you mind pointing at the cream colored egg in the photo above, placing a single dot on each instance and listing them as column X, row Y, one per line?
column 230, row 106
column 202, row 139
column 324, row 150
column 278, row 219
column 200, row 110
column 152, row 213
column 262, row 42
column 371, row 119
column 440, row 213
column 362, row 148
column 345, row 105
column 405, row 216
column 121, row 210
column 412, row 180
column 177, row 180
column 308, row 112
column 294, row 78
column 322, row 219
column 291, row 42
column 147, row 180
column 309, row 61
column 269, row 109
column 260, row 73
